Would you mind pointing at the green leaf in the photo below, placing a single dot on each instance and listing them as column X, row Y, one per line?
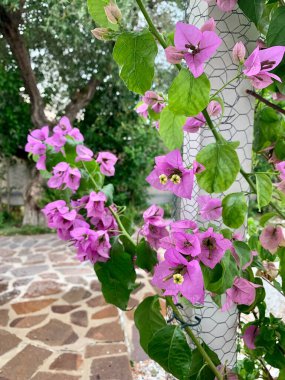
column 169, row 348
column 170, row 129
column 276, row 359
column 281, row 255
column 266, row 217
column 268, row 127
column 253, row 9
column 234, row 210
column 146, row 256
column 243, row 251
column 188, row 95
column 276, row 31
column 108, row 190
column 222, row 166
column 97, row 12
column 135, row 54
column 279, row 149
column 264, row 190
column 221, row 278
column 282, row 374
column 117, row 277
column 198, row 362
column 148, row 320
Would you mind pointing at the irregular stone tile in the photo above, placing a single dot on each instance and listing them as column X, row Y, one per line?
column 137, row 353
column 117, row 367
column 43, row 288
column 6, row 252
column 25, row 363
column 28, row 321
column 95, row 286
column 63, row 309
column 76, row 294
column 54, row 333
column 54, row 376
column 96, row 301
column 21, row 282
column 76, row 280
column 56, row 258
column 130, row 314
column 31, row 306
column 95, row 350
column 7, row 341
column 140, row 287
column 3, row 286
column 109, row 332
column 36, row 259
column 108, row 312
column 67, row 362
column 79, row 318
column 8, row 296
column 53, row 276
column 5, row 268
column 4, row 317
column 29, row 271
column 133, row 303
column 75, row 271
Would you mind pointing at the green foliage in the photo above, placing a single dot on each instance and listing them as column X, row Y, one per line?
column 170, row 349
column 281, row 255
column 148, row 320
column 199, row 368
column 97, row 12
column 146, row 257
column 276, row 31
column 263, row 189
column 117, row 277
column 252, row 9
column 135, row 53
column 188, row 95
column 170, row 129
column 243, row 251
column 234, row 210
column 222, row 166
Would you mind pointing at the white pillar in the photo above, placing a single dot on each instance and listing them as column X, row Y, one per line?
column 218, row 329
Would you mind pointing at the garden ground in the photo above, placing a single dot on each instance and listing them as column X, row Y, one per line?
column 54, row 322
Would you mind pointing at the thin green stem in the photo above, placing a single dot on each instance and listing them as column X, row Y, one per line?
column 211, row 125
column 195, row 340
column 121, row 226
column 226, row 85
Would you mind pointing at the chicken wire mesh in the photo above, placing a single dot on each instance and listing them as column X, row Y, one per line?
column 219, row 329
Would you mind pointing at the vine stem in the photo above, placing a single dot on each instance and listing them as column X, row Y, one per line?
column 195, row 340
column 121, row 226
column 265, row 101
column 226, row 85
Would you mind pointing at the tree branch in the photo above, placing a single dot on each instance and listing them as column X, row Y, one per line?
column 9, row 27
column 265, row 101
column 81, row 99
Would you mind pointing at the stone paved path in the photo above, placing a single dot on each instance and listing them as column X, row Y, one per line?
column 54, row 323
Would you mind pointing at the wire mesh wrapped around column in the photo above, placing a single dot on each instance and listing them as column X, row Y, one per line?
column 218, row 329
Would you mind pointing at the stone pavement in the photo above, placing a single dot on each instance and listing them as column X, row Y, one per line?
column 54, row 322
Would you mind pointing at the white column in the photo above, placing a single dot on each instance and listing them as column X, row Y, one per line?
column 218, row 329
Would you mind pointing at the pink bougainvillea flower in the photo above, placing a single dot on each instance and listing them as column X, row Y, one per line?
column 214, row 108
column 197, row 46
column 169, row 174
column 198, row 168
column 142, row 110
column 76, row 134
column 182, row 225
column 226, row 5
column 52, row 209
column 193, row 124
column 72, row 179
column 185, row 243
column 96, row 204
column 83, row 153
column 259, row 64
column 213, row 247
column 105, row 222
column 280, row 186
column 59, row 174
column 241, row 293
column 153, row 100
column 173, row 55
column 249, row 335
column 281, row 168
column 271, row 238
column 175, row 275
column 210, row 208
column 227, row 373
column 239, row 52
column 210, row 25
column 35, row 146
column 153, row 215
column 63, row 127
column 107, row 163
column 57, row 141
column 278, row 96
column 41, row 163
column 154, row 228
column 40, row 134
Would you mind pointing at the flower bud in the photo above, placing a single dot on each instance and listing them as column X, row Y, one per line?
column 214, row 108
column 113, row 13
column 239, row 52
column 173, row 55
column 101, row 34
column 209, row 26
